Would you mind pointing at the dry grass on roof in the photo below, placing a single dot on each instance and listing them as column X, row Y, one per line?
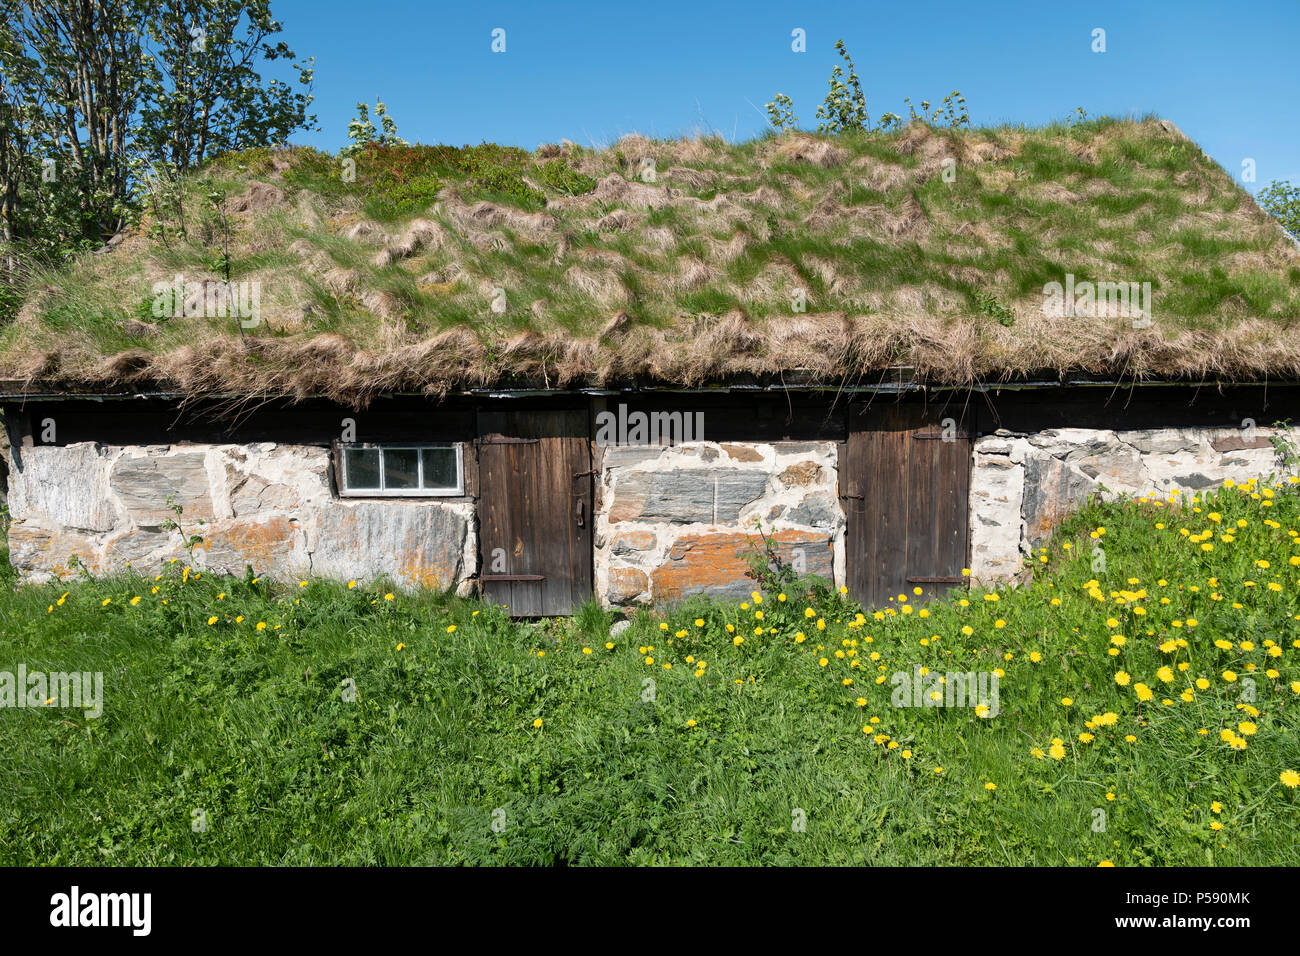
column 685, row 262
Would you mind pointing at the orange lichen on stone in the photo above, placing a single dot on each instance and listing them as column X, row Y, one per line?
column 717, row 562
column 53, row 551
column 417, row 571
column 625, row 585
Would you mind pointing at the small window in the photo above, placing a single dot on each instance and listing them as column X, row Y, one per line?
column 402, row 470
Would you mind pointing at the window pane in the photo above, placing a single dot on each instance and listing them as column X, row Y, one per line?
column 361, row 467
column 440, row 468
column 400, row 466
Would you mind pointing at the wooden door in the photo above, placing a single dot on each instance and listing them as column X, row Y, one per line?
column 534, row 510
column 905, row 490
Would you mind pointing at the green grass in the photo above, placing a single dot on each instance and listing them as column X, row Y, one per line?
column 251, row 726
column 874, row 232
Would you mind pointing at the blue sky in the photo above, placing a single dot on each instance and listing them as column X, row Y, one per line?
column 590, row 72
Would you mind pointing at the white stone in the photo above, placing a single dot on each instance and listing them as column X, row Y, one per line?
column 63, row 487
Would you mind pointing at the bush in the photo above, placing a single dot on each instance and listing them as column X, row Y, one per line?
column 563, row 178
column 1282, row 200
column 495, row 173
column 400, row 181
column 394, row 181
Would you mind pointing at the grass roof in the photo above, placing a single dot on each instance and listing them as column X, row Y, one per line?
column 677, row 263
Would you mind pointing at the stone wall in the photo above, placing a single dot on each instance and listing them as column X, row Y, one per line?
column 1022, row 485
column 669, row 521
column 265, row 505
column 678, row 521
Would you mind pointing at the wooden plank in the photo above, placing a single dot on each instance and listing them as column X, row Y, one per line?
column 852, row 500
column 469, row 465
column 925, row 489
column 741, row 416
column 1135, row 407
column 737, row 416
column 581, row 484
column 536, row 517
column 893, row 500
column 526, row 505
column 155, row 421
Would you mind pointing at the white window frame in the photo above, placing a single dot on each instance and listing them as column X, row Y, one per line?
column 347, row 492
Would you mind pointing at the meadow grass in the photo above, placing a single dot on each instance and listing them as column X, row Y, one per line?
column 761, row 732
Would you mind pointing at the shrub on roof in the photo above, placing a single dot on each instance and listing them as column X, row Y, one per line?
column 563, row 178
column 393, row 181
column 397, row 181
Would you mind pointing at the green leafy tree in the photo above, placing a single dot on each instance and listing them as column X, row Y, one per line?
column 845, row 106
column 72, row 73
column 203, row 92
column 362, row 131
column 96, row 93
column 780, row 113
column 1282, row 200
column 890, row 122
column 950, row 112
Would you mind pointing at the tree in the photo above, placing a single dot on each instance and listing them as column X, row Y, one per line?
column 1282, row 200
column 780, row 113
column 204, row 94
column 362, row 132
column 94, row 93
column 845, row 106
column 71, row 72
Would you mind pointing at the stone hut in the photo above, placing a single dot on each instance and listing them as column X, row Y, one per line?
column 824, row 352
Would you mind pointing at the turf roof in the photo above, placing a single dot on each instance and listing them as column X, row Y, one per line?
column 679, row 263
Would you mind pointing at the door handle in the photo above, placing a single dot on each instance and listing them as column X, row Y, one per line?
column 578, row 513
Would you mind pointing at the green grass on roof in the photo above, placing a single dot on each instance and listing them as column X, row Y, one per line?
column 433, row 267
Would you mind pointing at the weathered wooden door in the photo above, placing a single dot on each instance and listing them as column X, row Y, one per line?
column 534, row 510
column 905, row 487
